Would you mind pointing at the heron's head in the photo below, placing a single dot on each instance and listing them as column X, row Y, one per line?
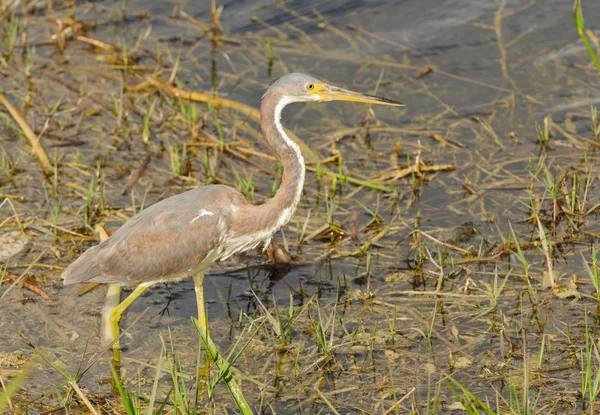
column 297, row 87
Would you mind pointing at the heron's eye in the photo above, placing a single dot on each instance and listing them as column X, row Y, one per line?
column 310, row 87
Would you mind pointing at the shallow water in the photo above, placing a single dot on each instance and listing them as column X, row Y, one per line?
column 490, row 87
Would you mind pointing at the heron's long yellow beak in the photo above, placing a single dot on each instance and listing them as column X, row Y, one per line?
column 333, row 93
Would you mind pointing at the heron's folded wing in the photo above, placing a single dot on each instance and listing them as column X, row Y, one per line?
column 152, row 246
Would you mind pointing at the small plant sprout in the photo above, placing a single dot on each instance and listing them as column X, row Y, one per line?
column 245, row 184
column 524, row 262
column 13, row 28
column 55, row 213
column 177, row 160
column 590, row 371
column 146, row 120
column 593, row 272
column 497, row 288
column 595, row 123
column 579, row 24
column 270, row 57
column 88, row 202
column 8, row 166
column 544, row 133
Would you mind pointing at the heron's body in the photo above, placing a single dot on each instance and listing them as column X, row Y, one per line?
column 167, row 241
column 176, row 238
column 183, row 235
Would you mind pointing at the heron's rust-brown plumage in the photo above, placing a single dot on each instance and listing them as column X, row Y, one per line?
column 168, row 240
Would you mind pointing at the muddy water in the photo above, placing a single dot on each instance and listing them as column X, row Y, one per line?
column 498, row 71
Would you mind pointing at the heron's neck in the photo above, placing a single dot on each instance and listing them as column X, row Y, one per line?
column 277, row 211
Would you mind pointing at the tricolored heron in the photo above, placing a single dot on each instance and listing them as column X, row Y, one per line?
column 183, row 235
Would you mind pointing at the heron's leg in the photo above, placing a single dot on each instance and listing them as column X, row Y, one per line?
column 199, row 287
column 211, row 349
column 202, row 318
column 112, row 300
column 115, row 320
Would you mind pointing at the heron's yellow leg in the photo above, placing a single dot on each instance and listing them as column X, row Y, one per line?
column 112, row 300
column 202, row 317
column 199, row 287
column 115, row 320
column 211, row 350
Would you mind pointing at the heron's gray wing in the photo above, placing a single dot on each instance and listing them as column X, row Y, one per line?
column 167, row 240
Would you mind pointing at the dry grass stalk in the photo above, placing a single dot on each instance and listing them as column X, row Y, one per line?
column 28, row 285
column 85, row 400
column 37, row 148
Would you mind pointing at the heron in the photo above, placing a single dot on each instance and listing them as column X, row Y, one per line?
column 181, row 236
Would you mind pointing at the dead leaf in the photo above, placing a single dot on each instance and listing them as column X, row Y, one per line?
column 462, row 362
column 12, row 243
column 391, row 355
column 391, row 277
column 455, row 406
column 567, row 290
column 546, row 280
column 454, row 331
column 430, row 367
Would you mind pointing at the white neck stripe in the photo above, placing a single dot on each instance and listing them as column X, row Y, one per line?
column 285, row 100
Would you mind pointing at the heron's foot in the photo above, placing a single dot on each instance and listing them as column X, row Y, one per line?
column 278, row 256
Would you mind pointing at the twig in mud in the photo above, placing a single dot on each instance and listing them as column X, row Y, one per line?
column 37, row 148
column 87, row 288
column 353, row 180
column 100, row 44
column 324, row 398
column 29, row 286
column 466, row 183
column 546, row 249
column 77, row 89
column 64, row 141
column 435, row 293
column 137, row 175
column 7, row 200
column 426, row 71
column 60, row 228
column 425, row 234
column 8, row 401
column 416, row 169
column 195, row 21
column 20, row 277
column 85, row 400
column 362, row 249
column 394, row 406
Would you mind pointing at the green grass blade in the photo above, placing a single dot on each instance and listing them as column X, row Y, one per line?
column 234, row 389
column 155, row 386
column 578, row 15
column 125, row 396
column 470, row 401
column 15, row 384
